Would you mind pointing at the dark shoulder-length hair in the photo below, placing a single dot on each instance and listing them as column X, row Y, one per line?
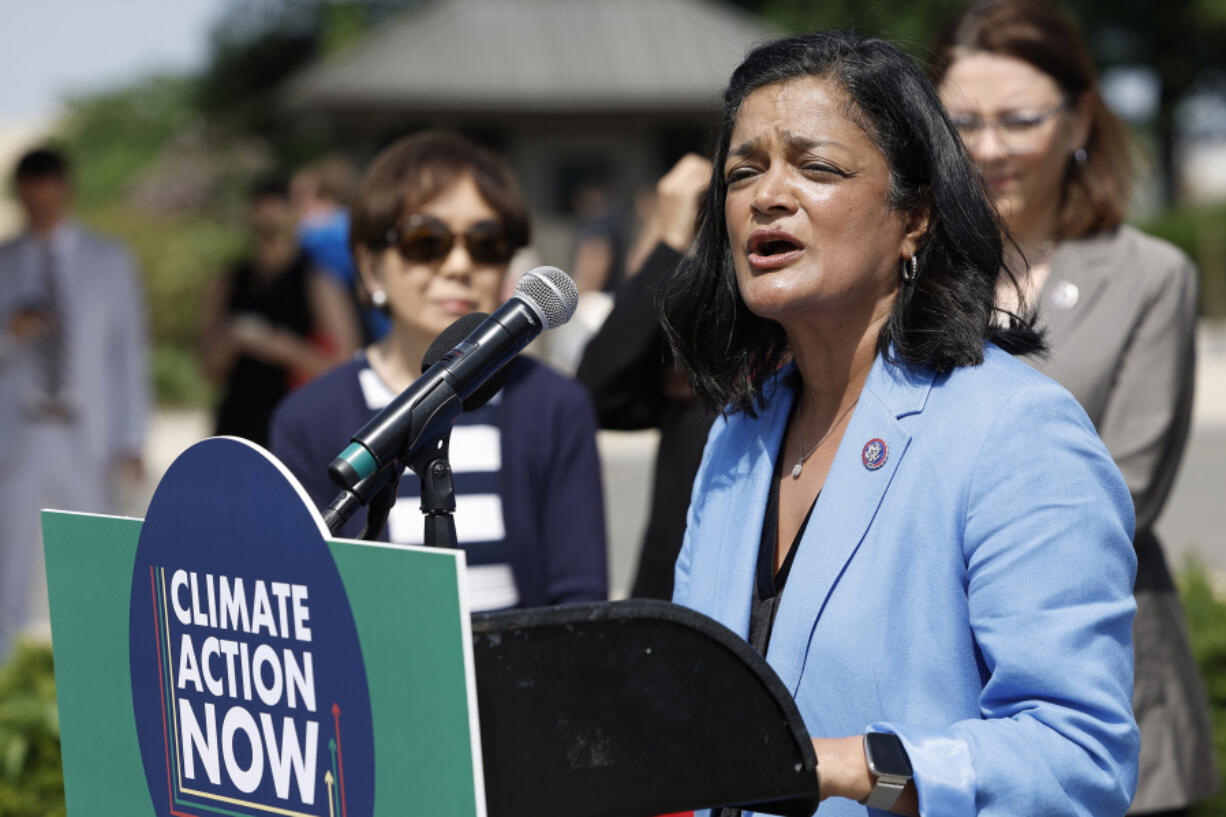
column 1095, row 192
column 939, row 319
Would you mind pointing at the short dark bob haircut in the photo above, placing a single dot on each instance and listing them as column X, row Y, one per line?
column 41, row 163
column 413, row 170
column 941, row 319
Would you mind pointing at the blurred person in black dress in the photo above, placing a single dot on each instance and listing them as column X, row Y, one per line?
column 600, row 252
column 271, row 322
column 634, row 384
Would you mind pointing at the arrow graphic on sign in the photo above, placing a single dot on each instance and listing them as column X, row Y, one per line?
column 331, row 802
column 336, row 719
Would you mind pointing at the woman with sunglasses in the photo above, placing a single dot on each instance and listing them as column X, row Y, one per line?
column 1119, row 310
column 433, row 229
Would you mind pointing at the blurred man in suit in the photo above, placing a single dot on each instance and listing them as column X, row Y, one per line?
column 73, row 379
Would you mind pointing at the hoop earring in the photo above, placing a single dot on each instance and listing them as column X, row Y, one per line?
column 910, row 269
column 378, row 299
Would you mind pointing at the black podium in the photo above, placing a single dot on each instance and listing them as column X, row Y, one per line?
column 622, row 709
column 633, row 709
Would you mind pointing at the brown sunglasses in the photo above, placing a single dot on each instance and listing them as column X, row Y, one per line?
column 426, row 239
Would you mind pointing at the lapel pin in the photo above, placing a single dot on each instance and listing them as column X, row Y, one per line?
column 874, row 454
column 1064, row 295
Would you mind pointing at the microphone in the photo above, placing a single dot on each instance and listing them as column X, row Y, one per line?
column 449, row 338
column 544, row 298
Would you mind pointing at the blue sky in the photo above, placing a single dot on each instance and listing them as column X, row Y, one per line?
column 51, row 48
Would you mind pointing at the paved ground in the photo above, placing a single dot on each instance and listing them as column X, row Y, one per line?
column 1192, row 523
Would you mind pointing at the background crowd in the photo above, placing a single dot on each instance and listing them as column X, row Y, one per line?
column 207, row 245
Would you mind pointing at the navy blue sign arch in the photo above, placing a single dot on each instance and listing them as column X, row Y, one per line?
column 248, row 686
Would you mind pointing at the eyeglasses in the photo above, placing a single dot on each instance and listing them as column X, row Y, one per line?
column 426, row 239
column 1018, row 132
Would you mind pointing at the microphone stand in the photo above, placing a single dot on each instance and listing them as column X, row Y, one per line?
column 433, row 468
column 378, row 491
column 381, row 505
column 425, row 443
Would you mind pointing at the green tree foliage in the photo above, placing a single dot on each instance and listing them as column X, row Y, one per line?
column 1197, row 230
column 259, row 46
column 251, row 57
column 178, row 255
column 149, row 171
column 1180, row 39
column 115, row 135
column 31, row 781
column 911, row 24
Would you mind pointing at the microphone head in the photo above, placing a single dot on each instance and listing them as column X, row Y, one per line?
column 550, row 293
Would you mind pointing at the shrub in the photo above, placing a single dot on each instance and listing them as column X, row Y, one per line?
column 1206, row 614
column 1200, row 231
column 31, row 780
column 177, row 378
column 177, row 255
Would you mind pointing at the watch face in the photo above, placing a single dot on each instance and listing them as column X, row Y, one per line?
column 886, row 755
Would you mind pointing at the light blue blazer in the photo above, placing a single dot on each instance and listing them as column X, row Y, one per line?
column 972, row 593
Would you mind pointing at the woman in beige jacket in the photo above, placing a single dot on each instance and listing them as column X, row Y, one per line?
column 1119, row 309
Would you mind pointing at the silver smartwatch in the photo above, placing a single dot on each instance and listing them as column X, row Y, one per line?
column 890, row 767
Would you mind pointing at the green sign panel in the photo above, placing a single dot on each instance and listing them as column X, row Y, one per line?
column 225, row 657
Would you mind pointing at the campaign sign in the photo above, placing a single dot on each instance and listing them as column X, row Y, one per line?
column 248, row 684
column 226, row 658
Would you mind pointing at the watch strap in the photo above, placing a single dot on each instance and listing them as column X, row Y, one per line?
column 885, row 793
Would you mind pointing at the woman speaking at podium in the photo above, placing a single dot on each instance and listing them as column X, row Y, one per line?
column 923, row 535
column 433, row 229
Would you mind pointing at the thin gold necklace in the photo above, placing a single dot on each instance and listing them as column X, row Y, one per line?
column 800, row 463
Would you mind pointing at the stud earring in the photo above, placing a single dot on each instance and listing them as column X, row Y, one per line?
column 378, row 298
column 1080, row 156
